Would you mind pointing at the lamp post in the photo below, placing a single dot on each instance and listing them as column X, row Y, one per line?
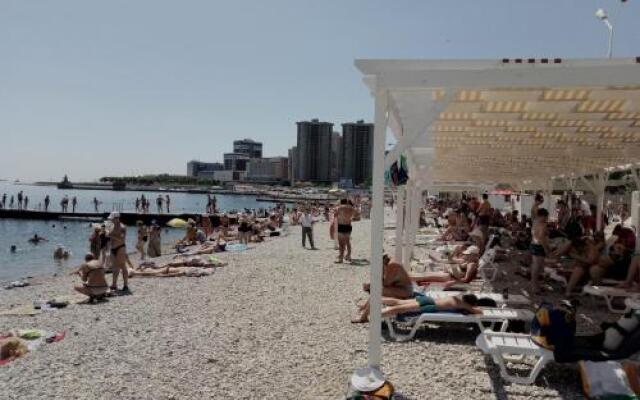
column 602, row 15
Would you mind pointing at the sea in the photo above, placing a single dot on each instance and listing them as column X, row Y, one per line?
column 31, row 259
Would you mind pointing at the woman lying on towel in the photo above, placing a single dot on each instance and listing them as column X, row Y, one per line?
column 169, row 272
column 424, row 304
column 464, row 272
column 395, row 283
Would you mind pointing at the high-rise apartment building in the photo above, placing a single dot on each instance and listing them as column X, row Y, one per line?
column 314, row 151
column 249, row 147
column 357, row 152
column 336, row 156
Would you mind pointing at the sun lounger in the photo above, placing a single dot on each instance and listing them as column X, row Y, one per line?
column 492, row 316
column 506, row 347
column 610, row 294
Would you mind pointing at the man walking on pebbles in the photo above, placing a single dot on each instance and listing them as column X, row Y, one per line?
column 306, row 221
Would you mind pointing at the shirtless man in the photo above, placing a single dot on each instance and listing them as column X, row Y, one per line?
column 118, row 252
column 344, row 213
column 539, row 247
column 94, row 283
column 425, row 304
column 396, row 283
column 463, row 270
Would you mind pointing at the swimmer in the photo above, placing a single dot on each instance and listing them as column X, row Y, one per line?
column 37, row 239
column 60, row 253
column 13, row 248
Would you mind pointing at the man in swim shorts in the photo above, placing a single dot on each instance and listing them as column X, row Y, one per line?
column 344, row 213
column 424, row 304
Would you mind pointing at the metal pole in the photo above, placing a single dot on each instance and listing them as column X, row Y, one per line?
column 377, row 228
column 610, row 46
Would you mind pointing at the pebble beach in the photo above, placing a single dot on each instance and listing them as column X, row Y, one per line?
column 272, row 324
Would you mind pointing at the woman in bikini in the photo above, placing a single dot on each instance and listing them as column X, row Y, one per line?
column 94, row 283
column 117, row 236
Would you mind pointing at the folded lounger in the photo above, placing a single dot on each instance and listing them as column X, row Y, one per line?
column 609, row 294
column 506, row 347
column 491, row 316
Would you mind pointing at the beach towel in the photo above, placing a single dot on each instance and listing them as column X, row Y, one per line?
column 237, row 247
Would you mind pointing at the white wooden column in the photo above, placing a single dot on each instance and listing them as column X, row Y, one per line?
column 377, row 226
column 406, row 256
column 635, row 216
column 414, row 223
column 598, row 186
column 400, row 224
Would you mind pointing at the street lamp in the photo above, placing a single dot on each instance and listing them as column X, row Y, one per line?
column 602, row 15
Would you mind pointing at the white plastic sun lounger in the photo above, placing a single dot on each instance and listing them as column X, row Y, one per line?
column 492, row 316
column 506, row 347
column 609, row 294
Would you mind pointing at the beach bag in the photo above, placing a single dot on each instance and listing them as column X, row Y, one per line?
column 609, row 380
column 554, row 328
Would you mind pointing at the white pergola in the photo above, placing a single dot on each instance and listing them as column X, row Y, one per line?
column 525, row 122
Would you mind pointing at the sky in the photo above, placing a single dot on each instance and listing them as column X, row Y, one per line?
column 95, row 88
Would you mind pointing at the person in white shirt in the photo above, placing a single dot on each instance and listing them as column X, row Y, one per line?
column 306, row 221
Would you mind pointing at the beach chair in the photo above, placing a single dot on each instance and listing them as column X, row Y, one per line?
column 487, row 267
column 610, row 294
column 506, row 347
column 495, row 318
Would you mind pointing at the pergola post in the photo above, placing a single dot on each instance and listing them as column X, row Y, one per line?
column 635, row 216
column 598, row 186
column 406, row 256
column 377, row 226
column 414, row 222
column 400, row 218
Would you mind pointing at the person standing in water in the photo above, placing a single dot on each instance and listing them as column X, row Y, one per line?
column 159, row 202
column 11, row 202
column 26, row 202
column 20, row 200
column 117, row 236
column 167, row 201
column 47, row 200
column 95, row 204
column 74, row 203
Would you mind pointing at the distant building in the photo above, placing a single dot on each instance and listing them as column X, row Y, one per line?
column 314, row 151
column 203, row 169
column 293, row 164
column 336, row 156
column 268, row 170
column 229, row 176
column 249, row 147
column 235, row 161
column 357, row 152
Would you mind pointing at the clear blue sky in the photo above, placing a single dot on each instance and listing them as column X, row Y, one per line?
column 94, row 88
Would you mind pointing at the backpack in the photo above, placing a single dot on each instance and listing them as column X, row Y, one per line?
column 554, row 328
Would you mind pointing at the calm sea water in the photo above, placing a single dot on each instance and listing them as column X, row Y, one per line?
column 32, row 259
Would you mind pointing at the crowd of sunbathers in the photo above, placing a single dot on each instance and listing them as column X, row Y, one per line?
column 202, row 237
column 570, row 243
